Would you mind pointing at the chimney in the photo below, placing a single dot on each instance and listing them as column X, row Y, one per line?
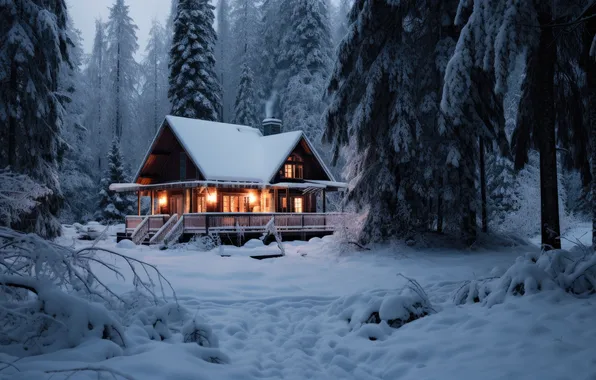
column 271, row 127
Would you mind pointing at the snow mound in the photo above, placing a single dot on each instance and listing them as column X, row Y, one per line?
column 126, row 244
column 391, row 308
column 254, row 243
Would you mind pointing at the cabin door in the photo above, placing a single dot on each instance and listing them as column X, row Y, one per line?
column 177, row 204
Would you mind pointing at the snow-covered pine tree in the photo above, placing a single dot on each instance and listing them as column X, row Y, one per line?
column 76, row 170
column 223, row 60
column 245, row 18
column 96, row 116
column 123, row 70
column 194, row 89
column 273, row 24
column 384, row 112
column 245, row 110
column 494, row 35
column 113, row 206
column 34, row 48
column 154, row 101
column 340, row 20
column 304, row 65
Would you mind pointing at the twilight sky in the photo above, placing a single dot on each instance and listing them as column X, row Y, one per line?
column 85, row 12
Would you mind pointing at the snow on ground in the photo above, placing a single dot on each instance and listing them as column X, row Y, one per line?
column 287, row 318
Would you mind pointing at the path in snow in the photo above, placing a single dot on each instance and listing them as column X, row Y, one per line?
column 287, row 318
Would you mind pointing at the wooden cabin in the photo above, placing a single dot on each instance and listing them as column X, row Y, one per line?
column 208, row 177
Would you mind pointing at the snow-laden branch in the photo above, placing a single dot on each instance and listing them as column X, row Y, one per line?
column 18, row 196
column 51, row 298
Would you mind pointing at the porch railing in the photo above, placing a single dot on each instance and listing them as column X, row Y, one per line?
column 140, row 227
column 222, row 222
column 203, row 223
column 164, row 230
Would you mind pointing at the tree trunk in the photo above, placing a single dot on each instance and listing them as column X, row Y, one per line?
column 544, row 119
column 12, row 121
column 592, row 126
column 483, row 187
column 440, row 207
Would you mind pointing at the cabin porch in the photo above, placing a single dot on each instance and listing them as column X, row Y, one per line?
column 235, row 211
column 234, row 228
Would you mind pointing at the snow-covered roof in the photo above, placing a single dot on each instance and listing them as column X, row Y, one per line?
column 229, row 152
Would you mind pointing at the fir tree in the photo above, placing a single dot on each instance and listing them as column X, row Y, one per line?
column 113, row 206
column 154, row 93
column 223, row 57
column 194, row 90
column 384, row 114
column 76, row 170
column 96, row 76
column 35, row 47
column 245, row 106
column 122, row 45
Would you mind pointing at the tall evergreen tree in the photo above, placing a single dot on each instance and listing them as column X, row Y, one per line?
column 154, row 93
column 122, row 45
column 35, row 46
column 384, row 111
column 245, row 112
column 96, row 75
column 495, row 34
column 223, row 60
column 304, row 65
column 194, row 89
column 76, row 170
column 113, row 206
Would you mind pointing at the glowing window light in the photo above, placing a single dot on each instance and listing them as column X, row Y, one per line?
column 212, row 197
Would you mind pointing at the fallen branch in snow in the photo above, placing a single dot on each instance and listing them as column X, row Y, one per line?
column 51, row 298
column 270, row 229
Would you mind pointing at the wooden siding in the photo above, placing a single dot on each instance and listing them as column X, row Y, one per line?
column 163, row 163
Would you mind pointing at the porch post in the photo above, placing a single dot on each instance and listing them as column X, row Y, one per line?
column 275, row 201
column 152, row 202
column 288, row 207
column 139, row 202
column 324, row 200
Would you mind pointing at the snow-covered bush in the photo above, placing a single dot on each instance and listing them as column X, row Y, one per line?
column 574, row 272
column 51, row 298
column 473, row 291
column 271, row 230
column 393, row 308
column 205, row 243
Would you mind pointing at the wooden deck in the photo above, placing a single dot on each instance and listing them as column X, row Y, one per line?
column 157, row 229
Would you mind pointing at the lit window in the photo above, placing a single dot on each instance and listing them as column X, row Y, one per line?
column 201, row 204
column 284, row 203
column 226, row 203
column 298, row 204
column 293, row 171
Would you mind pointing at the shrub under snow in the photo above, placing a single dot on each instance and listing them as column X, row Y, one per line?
column 393, row 308
column 574, row 272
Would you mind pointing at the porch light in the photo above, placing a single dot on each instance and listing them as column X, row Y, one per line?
column 212, row 197
column 252, row 198
column 163, row 200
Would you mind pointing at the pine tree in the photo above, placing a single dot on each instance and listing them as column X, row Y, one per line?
column 35, row 45
column 194, row 90
column 154, row 93
column 223, row 60
column 494, row 35
column 122, row 45
column 245, row 18
column 304, row 65
column 113, row 206
column 76, row 170
column 245, row 106
column 96, row 76
column 384, row 113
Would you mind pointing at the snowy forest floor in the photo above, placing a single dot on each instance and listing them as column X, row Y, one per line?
column 286, row 318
